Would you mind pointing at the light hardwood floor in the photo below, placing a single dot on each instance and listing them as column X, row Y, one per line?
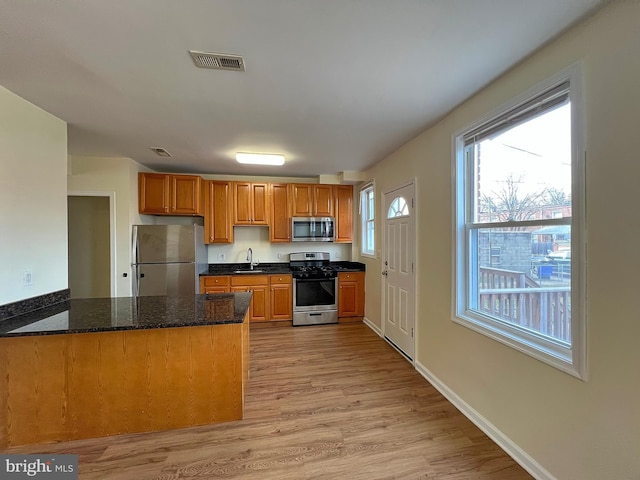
column 324, row 402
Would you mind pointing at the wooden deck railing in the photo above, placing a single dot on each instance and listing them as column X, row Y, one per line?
column 514, row 297
column 544, row 309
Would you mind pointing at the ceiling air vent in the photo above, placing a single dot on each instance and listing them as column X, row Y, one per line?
column 218, row 61
column 161, row 152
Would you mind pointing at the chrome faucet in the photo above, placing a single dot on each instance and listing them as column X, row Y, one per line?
column 250, row 259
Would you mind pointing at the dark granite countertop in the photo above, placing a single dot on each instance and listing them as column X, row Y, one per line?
column 128, row 313
column 262, row 268
column 272, row 268
column 346, row 266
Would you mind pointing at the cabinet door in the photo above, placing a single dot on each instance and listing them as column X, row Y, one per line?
column 281, row 297
column 217, row 221
column 302, row 200
column 259, row 285
column 153, row 193
column 241, row 203
column 250, row 203
column 351, row 294
column 185, row 194
column 280, row 224
column 323, row 201
column 259, row 204
column 260, row 303
column 344, row 213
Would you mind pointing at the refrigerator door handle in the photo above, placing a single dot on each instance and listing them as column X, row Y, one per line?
column 136, row 282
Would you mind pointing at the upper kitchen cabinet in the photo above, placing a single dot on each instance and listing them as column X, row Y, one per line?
column 312, row 200
column 218, row 225
column 250, row 204
column 166, row 194
column 280, row 224
column 344, row 213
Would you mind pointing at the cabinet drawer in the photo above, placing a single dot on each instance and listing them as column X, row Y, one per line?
column 349, row 276
column 284, row 279
column 216, row 281
column 249, row 279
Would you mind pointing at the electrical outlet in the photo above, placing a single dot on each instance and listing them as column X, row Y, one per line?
column 221, row 256
column 280, row 255
column 338, row 255
column 27, row 278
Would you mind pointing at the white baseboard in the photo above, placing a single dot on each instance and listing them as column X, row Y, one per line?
column 372, row 326
column 504, row 442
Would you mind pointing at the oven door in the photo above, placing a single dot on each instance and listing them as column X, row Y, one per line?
column 314, row 294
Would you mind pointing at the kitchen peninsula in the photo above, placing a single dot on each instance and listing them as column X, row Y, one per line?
column 96, row 367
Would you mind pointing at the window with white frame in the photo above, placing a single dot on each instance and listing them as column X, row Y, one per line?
column 515, row 280
column 367, row 216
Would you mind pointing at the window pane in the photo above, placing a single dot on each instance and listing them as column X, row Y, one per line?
column 523, row 277
column 367, row 220
column 398, row 208
column 524, row 173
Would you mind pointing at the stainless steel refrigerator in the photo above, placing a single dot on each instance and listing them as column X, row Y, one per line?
column 167, row 259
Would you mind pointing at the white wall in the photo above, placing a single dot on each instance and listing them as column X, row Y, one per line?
column 566, row 428
column 33, row 201
column 117, row 176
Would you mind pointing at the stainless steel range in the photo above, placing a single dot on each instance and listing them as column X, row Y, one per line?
column 315, row 282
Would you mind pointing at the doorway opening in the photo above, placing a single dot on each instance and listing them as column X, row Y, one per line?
column 91, row 251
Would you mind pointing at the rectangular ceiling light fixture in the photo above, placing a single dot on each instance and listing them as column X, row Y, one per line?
column 260, row 158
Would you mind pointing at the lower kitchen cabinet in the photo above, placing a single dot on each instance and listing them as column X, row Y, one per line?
column 259, row 310
column 281, row 297
column 215, row 284
column 350, row 294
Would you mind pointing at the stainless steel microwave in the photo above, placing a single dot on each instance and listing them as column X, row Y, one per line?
column 313, row 229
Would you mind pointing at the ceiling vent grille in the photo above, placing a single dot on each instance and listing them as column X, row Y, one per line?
column 217, row 61
column 161, row 152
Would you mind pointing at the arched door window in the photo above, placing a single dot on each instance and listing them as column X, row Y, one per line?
column 398, row 208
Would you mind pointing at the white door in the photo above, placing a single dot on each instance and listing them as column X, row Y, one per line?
column 398, row 259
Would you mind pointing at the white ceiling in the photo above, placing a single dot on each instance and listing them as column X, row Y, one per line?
column 335, row 85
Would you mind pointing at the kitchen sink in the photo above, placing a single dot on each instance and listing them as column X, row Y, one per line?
column 247, row 271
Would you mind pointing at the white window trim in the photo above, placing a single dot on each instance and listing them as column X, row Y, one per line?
column 363, row 221
column 573, row 359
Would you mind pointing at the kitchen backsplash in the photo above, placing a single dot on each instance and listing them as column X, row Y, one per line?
column 257, row 238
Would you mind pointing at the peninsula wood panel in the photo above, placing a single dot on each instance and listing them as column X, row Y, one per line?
column 71, row 386
column 325, row 402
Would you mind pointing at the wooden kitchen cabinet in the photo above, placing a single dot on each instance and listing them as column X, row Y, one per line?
column 218, row 226
column 281, row 297
column 312, row 200
column 344, row 213
column 167, row 194
column 259, row 310
column 250, row 203
column 215, row 284
column 350, row 294
column 280, row 222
